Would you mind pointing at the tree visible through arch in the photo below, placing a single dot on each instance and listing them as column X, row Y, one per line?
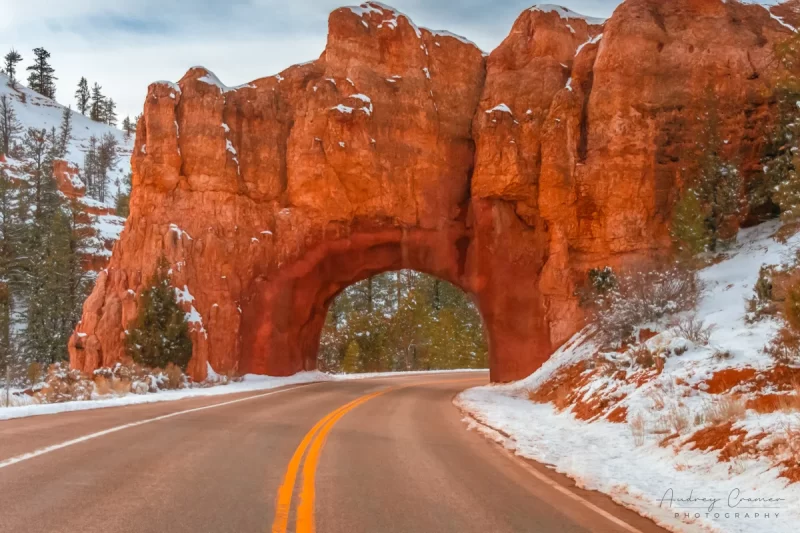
column 399, row 321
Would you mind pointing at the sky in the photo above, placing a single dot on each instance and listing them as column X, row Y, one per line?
column 124, row 45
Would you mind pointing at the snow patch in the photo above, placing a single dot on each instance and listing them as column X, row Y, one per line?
column 565, row 13
column 501, row 108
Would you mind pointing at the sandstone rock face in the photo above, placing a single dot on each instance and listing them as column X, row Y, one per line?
column 509, row 175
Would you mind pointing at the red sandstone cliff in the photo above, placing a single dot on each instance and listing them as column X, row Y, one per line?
column 508, row 175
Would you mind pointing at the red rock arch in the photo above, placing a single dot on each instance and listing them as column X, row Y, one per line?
column 508, row 175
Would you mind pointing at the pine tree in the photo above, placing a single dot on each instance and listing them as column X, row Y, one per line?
column 37, row 152
column 107, row 158
column 717, row 183
column 160, row 333
column 124, row 197
column 41, row 78
column 10, row 127
column 110, row 112
column 51, row 283
column 778, row 188
column 58, row 287
column 416, row 322
column 689, row 230
column 128, row 127
column 90, row 167
column 352, row 359
column 97, row 106
column 83, row 96
column 787, row 192
column 64, row 133
column 12, row 58
column 9, row 241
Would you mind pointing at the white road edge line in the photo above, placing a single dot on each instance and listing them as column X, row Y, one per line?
column 546, row 480
column 54, row 447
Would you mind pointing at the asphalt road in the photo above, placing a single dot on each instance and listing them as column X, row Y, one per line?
column 376, row 456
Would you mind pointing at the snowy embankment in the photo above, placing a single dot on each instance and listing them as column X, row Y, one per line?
column 36, row 111
column 25, row 406
column 670, row 442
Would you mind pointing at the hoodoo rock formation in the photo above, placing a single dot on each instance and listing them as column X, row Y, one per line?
column 509, row 175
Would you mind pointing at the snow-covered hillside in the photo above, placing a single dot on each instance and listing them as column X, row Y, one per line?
column 36, row 111
column 664, row 423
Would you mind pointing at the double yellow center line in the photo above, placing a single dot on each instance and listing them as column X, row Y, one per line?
column 313, row 442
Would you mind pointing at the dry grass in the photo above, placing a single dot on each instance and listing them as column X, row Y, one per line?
column 691, row 328
column 643, row 357
column 791, row 442
column 174, row 377
column 561, row 401
column 790, row 402
column 34, row 373
column 659, row 401
column 676, row 419
column 725, row 409
column 721, row 355
column 638, row 429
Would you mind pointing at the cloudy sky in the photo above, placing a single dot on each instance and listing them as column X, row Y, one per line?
column 126, row 44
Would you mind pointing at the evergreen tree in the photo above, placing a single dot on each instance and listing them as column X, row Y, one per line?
column 352, row 359
column 97, row 106
column 160, row 333
column 101, row 157
column 38, row 154
column 128, row 127
column 41, row 78
column 12, row 58
column 9, row 242
column 83, row 96
column 110, row 112
column 50, row 283
column 778, row 188
column 416, row 322
column 717, row 182
column 689, row 230
column 91, row 167
column 10, row 127
column 107, row 158
column 124, row 197
column 64, row 133
column 787, row 193
column 58, row 286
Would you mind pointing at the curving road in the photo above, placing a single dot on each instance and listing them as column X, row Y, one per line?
column 375, row 456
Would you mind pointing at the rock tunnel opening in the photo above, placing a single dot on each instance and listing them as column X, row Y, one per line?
column 285, row 319
column 402, row 321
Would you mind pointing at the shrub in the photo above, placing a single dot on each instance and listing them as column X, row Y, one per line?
column 791, row 305
column 762, row 302
column 64, row 385
column 159, row 335
column 676, row 419
column 602, row 280
column 638, row 430
column 725, row 409
column 791, row 401
column 645, row 297
column 643, row 357
column 691, row 328
column 785, row 347
column 721, row 355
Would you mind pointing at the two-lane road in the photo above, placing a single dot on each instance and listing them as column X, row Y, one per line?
column 376, row 455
